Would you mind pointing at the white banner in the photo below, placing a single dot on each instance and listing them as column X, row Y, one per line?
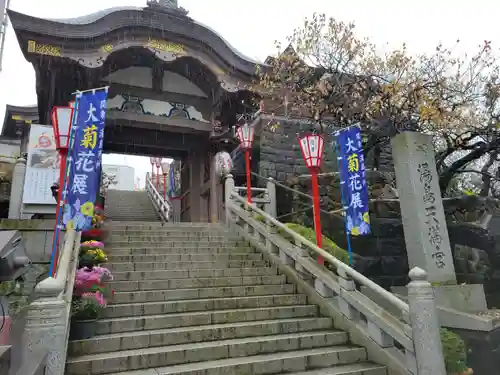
column 42, row 167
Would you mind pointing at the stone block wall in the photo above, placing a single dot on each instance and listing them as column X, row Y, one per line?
column 280, row 155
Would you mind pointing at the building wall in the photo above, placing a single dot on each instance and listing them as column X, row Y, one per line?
column 125, row 176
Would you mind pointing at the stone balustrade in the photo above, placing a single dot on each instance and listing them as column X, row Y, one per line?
column 48, row 316
column 407, row 342
column 163, row 206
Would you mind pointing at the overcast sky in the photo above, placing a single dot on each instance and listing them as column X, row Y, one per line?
column 253, row 26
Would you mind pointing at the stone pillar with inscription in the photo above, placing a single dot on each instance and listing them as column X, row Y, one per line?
column 424, row 223
column 17, row 189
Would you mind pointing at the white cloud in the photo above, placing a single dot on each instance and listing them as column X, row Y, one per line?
column 252, row 27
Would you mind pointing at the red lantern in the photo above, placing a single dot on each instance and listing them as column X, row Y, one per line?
column 61, row 123
column 312, row 150
column 152, row 160
column 165, row 168
column 158, row 165
column 246, row 134
column 312, row 146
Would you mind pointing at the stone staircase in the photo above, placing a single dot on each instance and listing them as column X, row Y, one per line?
column 130, row 206
column 193, row 299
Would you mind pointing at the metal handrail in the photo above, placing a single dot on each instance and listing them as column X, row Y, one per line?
column 356, row 276
column 295, row 191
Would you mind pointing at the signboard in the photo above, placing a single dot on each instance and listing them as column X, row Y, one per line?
column 42, row 166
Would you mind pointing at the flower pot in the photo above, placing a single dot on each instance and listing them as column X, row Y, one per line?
column 82, row 329
column 97, row 234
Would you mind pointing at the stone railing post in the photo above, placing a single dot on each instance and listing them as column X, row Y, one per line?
column 47, row 327
column 270, row 208
column 17, row 189
column 228, row 189
column 425, row 325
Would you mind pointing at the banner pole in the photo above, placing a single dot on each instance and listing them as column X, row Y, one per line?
column 89, row 90
column 60, row 213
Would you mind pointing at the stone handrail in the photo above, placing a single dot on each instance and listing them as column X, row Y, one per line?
column 35, row 365
column 48, row 316
column 403, row 341
column 55, row 286
column 163, row 206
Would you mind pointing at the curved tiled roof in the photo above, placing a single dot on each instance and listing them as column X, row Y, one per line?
column 104, row 21
column 92, row 17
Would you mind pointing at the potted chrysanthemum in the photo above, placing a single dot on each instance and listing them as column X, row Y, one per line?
column 88, row 299
column 84, row 314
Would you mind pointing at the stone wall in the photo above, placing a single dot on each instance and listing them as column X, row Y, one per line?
column 381, row 255
column 280, row 155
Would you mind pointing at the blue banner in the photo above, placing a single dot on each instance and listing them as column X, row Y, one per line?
column 85, row 159
column 171, row 180
column 353, row 181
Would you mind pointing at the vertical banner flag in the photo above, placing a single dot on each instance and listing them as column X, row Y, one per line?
column 85, row 158
column 353, row 181
column 171, row 180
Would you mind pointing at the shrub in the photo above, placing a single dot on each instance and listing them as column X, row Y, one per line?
column 455, row 355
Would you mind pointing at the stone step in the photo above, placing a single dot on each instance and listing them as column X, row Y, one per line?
column 167, row 227
column 208, row 351
column 200, row 257
column 196, row 283
column 342, row 357
column 365, row 368
column 146, row 266
column 128, row 324
column 193, row 293
column 173, row 239
column 173, row 248
column 170, row 307
column 176, row 242
column 140, row 225
column 147, row 251
column 213, row 332
column 185, row 274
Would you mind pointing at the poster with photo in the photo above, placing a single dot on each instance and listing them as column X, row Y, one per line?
column 42, row 167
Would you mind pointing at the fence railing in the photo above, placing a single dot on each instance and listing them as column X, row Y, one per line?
column 163, row 206
column 44, row 341
column 409, row 340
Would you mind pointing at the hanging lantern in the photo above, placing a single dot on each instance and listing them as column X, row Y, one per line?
column 312, row 146
column 152, row 160
column 245, row 134
column 223, row 163
column 61, row 123
column 158, row 162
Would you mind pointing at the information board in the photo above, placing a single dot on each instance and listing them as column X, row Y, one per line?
column 42, row 166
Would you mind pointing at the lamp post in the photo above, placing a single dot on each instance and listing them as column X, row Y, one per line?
column 152, row 161
column 61, row 123
column 246, row 134
column 158, row 165
column 312, row 146
column 165, row 168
